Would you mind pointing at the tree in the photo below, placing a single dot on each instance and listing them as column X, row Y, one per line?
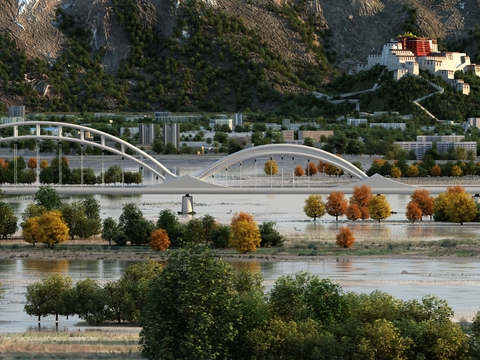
column 168, row 221
column 436, row 171
column 129, row 220
column 456, row 171
column 206, row 323
column 361, row 197
column 396, row 172
column 159, row 240
column 311, row 169
column 269, row 235
column 336, row 204
column 73, row 214
column 245, row 234
column 414, row 212
column 413, row 171
column 345, row 238
column 220, row 236
column 209, row 225
column 379, row 208
column 47, row 197
column 109, row 230
column 353, row 212
column 52, row 229
column 8, row 221
column 461, row 207
column 424, row 201
column 314, row 207
column 89, row 300
column 32, row 163
column 299, row 171
column 44, row 298
column 270, row 167
column 308, row 142
column 194, row 232
column 30, row 230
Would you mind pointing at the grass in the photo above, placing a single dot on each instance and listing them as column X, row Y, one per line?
column 70, row 345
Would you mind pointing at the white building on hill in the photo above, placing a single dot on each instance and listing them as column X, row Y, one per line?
column 408, row 54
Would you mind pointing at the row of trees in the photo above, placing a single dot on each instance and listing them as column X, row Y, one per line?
column 271, row 168
column 425, row 168
column 196, row 306
column 18, row 171
column 243, row 233
column 361, row 205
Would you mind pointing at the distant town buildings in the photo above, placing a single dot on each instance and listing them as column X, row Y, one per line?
column 401, row 126
column 171, row 134
column 222, row 120
column 407, row 54
column 146, row 134
column 314, row 134
column 443, row 144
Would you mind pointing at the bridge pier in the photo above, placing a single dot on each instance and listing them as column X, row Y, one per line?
column 187, row 205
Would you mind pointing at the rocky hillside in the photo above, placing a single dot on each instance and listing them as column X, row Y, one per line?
column 202, row 55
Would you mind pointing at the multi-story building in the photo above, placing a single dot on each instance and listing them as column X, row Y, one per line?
column 356, row 122
column 401, row 126
column 443, row 143
column 171, row 134
column 407, row 54
column 288, row 135
column 315, row 135
column 146, row 134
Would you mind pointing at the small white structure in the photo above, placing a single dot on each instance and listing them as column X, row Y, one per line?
column 401, row 126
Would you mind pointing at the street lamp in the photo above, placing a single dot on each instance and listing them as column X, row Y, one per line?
column 213, row 178
column 255, row 172
column 282, row 171
column 271, row 172
column 60, row 152
column 293, row 171
column 123, row 170
column 103, row 172
column 81, row 165
column 226, row 177
column 240, row 174
column 308, row 169
column 15, row 149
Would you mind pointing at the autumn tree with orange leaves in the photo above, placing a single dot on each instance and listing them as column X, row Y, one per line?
column 311, row 169
column 414, row 212
column 299, row 171
column 359, row 203
column 345, row 238
column 159, row 240
column 32, row 163
column 424, row 201
column 336, row 204
column 245, row 235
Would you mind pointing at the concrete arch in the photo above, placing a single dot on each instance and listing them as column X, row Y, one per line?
column 282, row 150
column 123, row 144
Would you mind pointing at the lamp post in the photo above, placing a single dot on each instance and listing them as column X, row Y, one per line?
column 255, row 172
column 226, row 177
column 293, row 171
column 240, row 174
column 213, row 178
column 123, row 170
column 15, row 149
column 81, row 165
column 38, row 162
column 103, row 172
column 60, row 151
column 308, row 169
column 282, row 170
column 271, row 172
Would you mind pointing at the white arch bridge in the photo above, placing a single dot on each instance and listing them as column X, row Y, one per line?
column 195, row 183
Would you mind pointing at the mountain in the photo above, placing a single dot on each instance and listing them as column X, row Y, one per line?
column 211, row 55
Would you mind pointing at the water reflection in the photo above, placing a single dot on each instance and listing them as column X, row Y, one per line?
column 344, row 265
column 42, row 266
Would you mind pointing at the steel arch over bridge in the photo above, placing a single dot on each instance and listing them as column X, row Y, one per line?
column 282, row 150
column 60, row 125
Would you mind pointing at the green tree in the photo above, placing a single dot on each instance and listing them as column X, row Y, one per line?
column 194, row 232
column 130, row 221
column 47, row 197
column 90, row 300
column 73, row 214
column 8, row 221
column 109, row 230
column 44, row 298
column 314, row 207
column 269, row 235
column 220, row 236
column 168, row 221
column 209, row 225
column 179, row 323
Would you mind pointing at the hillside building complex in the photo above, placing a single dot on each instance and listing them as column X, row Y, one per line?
column 408, row 54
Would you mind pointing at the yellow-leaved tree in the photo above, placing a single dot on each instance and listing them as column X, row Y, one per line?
column 314, row 207
column 52, row 229
column 270, row 167
column 245, row 235
column 455, row 205
column 30, row 230
column 379, row 208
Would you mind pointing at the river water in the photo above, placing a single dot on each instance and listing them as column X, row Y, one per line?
column 457, row 281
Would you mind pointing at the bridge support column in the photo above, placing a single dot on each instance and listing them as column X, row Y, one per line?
column 187, row 204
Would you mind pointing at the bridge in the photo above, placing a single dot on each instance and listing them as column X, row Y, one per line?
column 199, row 183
